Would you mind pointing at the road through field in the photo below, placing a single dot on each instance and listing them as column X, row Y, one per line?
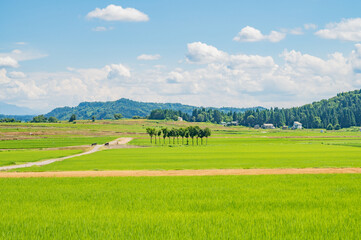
column 206, row 172
column 119, row 141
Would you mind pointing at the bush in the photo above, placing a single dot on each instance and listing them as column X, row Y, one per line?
column 329, row 127
column 72, row 118
column 337, row 127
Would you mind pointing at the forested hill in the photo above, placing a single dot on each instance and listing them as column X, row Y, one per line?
column 344, row 110
column 128, row 108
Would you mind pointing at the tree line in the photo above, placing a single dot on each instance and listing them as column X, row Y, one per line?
column 176, row 133
column 43, row 119
column 344, row 111
column 9, row 120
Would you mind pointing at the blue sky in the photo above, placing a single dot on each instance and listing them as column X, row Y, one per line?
column 209, row 53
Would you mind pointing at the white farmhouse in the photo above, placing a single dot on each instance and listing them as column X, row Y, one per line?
column 297, row 125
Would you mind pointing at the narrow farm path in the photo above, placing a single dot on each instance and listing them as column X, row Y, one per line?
column 119, row 141
column 210, row 172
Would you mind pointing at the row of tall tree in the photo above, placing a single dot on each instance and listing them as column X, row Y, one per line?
column 176, row 133
column 344, row 111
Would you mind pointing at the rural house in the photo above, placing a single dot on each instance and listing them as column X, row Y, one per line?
column 297, row 125
column 268, row 126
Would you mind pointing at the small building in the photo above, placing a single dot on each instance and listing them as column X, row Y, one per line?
column 268, row 126
column 284, row 127
column 234, row 123
column 297, row 125
column 180, row 119
column 256, row 126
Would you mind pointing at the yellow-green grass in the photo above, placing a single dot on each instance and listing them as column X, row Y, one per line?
column 220, row 153
column 130, row 127
column 212, row 207
column 54, row 141
column 24, row 156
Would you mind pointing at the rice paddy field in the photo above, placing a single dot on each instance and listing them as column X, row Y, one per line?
column 216, row 207
column 23, row 156
column 301, row 206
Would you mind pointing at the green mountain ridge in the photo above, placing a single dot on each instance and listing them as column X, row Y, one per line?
column 128, row 108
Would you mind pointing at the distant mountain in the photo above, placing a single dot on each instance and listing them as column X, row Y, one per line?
column 128, row 108
column 9, row 109
column 23, row 118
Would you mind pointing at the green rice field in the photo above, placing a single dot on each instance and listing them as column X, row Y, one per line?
column 24, row 156
column 212, row 207
column 190, row 207
column 229, row 153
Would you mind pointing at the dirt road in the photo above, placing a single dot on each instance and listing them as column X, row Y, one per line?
column 210, row 172
column 117, row 142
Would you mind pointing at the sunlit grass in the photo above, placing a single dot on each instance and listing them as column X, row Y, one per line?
column 219, row 207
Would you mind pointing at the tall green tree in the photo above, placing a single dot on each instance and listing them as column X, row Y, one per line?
column 207, row 133
column 165, row 133
column 72, row 118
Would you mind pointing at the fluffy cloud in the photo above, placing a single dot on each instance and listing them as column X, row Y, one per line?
column 347, row 29
column 212, row 78
column 148, row 57
column 3, row 76
column 202, row 53
column 7, row 61
column 117, row 13
column 117, row 70
column 250, row 34
column 17, row 74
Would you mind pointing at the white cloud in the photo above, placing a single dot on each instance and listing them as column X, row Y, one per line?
column 215, row 78
column 310, row 26
column 117, row 70
column 19, row 55
column 250, row 34
column 117, row 13
column 347, row 29
column 17, row 74
column 3, row 76
column 202, row 53
column 148, row 57
column 8, row 61
column 102, row 29
column 21, row 43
